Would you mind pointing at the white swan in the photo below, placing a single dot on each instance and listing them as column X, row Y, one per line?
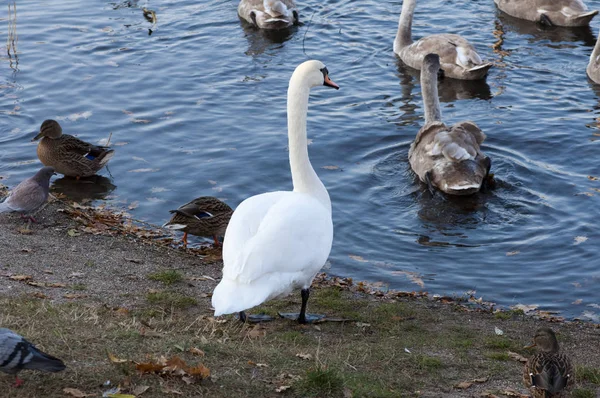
column 278, row 241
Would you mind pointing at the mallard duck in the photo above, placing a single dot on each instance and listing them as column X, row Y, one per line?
column 549, row 12
column 548, row 373
column 458, row 57
column 278, row 241
column 446, row 158
column 67, row 154
column 593, row 68
column 269, row 14
column 203, row 216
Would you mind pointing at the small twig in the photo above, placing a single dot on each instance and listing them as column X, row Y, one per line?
column 108, row 141
column 306, row 31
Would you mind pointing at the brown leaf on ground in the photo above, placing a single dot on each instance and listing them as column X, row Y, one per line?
column 20, row 277
column 463, row 385
column 513, row 393
column 139, row 390
column 196, row 351
column 304, row 356
column 199, row 370
column 74, row 392
column 516, row 357
column 39, row 295
column 282, row 388
column 173, row 367
column 74, row 296
column 113, row 358
column 256, row 332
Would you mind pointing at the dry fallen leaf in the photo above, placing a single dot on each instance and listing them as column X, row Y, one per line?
column 463, row 385
column 516, row 357
column 197, row 351
column 113, row 358
column 525, row 308
column 304, row 356
column 76, row 393
column 358, row 258
column 282, row 388
column 579, row 239
column 139, row 390
column 20, row 277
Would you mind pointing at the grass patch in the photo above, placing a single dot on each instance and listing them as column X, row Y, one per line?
column 504, row 315
column 498, row 343
column 583, row 393
column 171, row 299
column 591, row 375
column 78, row 287
column 498, row 356
column 321, row 382
column 427, row 363
column 167, row 277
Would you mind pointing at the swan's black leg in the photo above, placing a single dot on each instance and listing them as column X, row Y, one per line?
column 302, row 317
column 544, row 20
column 429, row 184
column 485, row 185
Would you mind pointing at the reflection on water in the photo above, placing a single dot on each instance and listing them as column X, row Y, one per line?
column 260, row 40
column 449, row 90
column 96, row 187
column 539, row 32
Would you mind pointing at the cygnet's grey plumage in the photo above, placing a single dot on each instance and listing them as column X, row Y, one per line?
column 17, row 354
column 446, row 158
column 30, row 194
column 269, row 14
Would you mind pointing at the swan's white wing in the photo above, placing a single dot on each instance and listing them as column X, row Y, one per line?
column 279, row 232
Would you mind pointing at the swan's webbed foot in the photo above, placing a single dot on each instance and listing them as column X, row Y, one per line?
column 488, row 181
column 259, row 318
column 302, row 318
column 429, row 183
column 308, row 318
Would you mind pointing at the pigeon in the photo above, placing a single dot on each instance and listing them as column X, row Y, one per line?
column 17, row 354
column 30, row 194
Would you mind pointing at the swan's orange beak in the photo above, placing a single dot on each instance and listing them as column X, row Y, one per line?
column 330, row 83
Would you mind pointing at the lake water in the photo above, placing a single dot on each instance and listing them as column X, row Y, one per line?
column 198, row 107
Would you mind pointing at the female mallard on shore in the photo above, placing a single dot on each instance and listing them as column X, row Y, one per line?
column 549, row 12
column 67, row 154
column 448, row 159
column 269, row 14
column 458, row 57
column 203, row 216
column 548, row 373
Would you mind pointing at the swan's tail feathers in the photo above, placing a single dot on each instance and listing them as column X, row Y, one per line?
column 584, row 19
column 484, row 66
column 231, row 296
column 275, row 20
column 465, row 188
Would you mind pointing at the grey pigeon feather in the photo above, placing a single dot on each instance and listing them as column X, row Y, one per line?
column 17, row 354
column 30, row 194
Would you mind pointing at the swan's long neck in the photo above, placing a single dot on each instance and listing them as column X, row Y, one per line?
column 303, row 175
column 429, row 90
column 404, row 36
column 596, row 52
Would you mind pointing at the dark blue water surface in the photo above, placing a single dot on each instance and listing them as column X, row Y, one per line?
column 199, row 108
